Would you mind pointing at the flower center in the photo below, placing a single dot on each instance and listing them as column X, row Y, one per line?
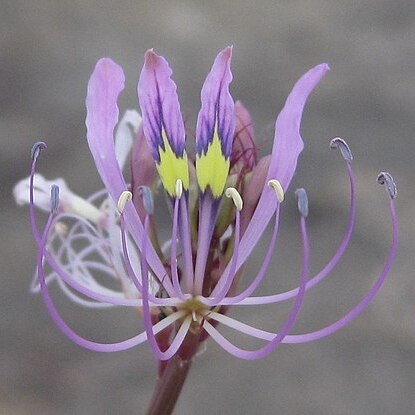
column 196, row 309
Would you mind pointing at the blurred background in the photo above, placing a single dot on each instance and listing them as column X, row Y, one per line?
column 48, row 50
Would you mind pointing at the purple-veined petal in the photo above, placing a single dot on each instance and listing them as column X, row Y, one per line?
column 217, row 106
column 162, row 121
column 215, row 127
column 160, row 106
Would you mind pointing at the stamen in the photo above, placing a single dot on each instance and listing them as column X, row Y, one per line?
column 261, row 273
column 184, row 231
column 173, row 256
column 302, row 202
column 61, row 228
column 36, row 149
column 90, row 291
column 179, row 188
column 125, row 197
column 387, row 179
column 343, row 147
column 287, row 326
column 61, row 324
column 326, row 270
column 231, row 192
column 130, row 270
column 279, row 191
column 182, row 332
column 225, row 282
column 367, row 299
column 148, row 202
column 54, row 198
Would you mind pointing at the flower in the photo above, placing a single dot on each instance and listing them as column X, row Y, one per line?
column 221, row 201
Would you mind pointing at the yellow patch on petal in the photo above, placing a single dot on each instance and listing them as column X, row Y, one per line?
column 212, row 168
column 171, row 168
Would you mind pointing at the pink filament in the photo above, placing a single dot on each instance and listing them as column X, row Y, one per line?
column 343, row 321
column 73, row 336
column 224, row 284
column 182, row 332
column 261, row 273
column 289, row 323
column 184, row 231
column 173, row 256
column 133, row 276
column 269, row 299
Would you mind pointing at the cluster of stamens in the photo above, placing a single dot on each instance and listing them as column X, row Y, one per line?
column 184, row 305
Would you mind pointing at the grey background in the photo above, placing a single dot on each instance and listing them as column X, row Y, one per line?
column 48, row 50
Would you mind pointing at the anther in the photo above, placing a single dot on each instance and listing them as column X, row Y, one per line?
column 343, row 147
column 148, row 202
column 54, row 198
column 61, row 228
column 123, row 199
column 279, row 191
column 36, row 149
column 302, row 201
column 231, row 192
column 179, row 188
column 387, row 179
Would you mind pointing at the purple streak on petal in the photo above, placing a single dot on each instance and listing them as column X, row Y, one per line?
column 104, row 86
column 181, row 334
column 261, row 273
column 223, row 285
column 217, row 106
column 289, row 323
column 99, row 347
column 328, row 268
column 286, row 149
column 160, row 106
column 351, row 315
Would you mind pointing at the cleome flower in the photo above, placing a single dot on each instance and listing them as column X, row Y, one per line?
column 221, row 201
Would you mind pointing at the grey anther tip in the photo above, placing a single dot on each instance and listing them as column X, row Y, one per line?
column 302, row 201
column 36, row 149
column 54, row 198
column 343, row 147
column 148, row 201
column 386, row 178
